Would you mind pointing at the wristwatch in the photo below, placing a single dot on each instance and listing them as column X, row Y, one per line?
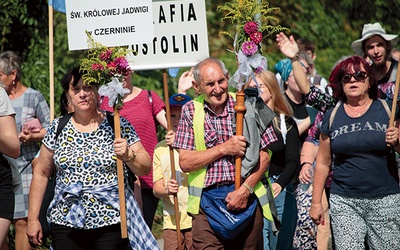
column 251, row 190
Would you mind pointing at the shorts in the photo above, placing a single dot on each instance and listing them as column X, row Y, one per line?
column 7, row 199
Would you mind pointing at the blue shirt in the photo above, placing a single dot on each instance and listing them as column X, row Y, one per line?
column 360, row 168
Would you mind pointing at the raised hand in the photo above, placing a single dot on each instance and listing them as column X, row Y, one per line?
column 185, row 81
column 288, row 46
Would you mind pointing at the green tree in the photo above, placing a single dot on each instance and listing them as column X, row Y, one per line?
column 334, row 25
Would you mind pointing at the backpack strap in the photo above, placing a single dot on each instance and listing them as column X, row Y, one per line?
column 283, row 127
column 334, row 113
column 150, row 97
column 110, row 119
column 3, row 161
column 386, row 106
column 63, row 121
column 317, row 80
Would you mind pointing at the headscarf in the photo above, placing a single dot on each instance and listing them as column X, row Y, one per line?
column 284, row 67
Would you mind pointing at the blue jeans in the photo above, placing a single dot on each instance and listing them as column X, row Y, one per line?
column 287, row 213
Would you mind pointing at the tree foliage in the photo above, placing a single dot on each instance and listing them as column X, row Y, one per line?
column 332, row 25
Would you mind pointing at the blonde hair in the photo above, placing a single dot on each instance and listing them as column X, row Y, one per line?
column 279, row 102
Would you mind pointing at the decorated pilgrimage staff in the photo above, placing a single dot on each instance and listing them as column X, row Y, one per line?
column 85, row 211
column 210, row 116
column 212, row 151
column 144, row 109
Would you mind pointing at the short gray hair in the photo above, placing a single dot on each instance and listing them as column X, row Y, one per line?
column 9, row 61
column 197, row 68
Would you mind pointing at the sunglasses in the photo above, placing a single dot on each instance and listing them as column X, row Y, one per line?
column 360, row 76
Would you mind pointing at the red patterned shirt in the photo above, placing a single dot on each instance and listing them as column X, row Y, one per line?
column 141, row 112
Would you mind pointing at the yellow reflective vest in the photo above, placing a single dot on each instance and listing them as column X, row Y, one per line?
column 196, row 178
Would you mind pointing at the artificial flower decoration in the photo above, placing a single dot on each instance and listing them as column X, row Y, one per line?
column 249, row 48
column 250, row 27
column 251, row 18
column 107, row 67
column 256, row 37
column 113, row 90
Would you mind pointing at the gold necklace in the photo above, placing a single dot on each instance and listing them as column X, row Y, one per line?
column 364, row 109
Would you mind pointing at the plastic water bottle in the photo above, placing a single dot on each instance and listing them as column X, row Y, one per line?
column 306, row 186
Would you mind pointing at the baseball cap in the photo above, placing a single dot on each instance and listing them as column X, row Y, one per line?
column 178, row 100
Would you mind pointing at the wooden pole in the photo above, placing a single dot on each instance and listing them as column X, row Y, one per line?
column 51, row 62
column 240, row 109
column 120, row 173
column 395, row 97
column 171, row 158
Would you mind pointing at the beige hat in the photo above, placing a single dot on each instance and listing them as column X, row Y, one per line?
column 369, row 31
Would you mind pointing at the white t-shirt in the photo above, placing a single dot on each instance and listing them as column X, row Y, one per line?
column 5, row 104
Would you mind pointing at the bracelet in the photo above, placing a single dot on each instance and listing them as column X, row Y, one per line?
column 251, row 190
column 305, row 163
column 295, row 58
column 130, row 158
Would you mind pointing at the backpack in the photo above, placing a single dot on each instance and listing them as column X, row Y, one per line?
column 317, row 80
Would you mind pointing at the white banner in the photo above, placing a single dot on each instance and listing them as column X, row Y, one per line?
column 111, row 23
column 180, row 36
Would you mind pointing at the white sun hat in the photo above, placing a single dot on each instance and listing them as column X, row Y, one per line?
column 369, row 31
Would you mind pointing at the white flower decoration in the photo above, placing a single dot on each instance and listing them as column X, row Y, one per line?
column 112, row 90
column 247, row 64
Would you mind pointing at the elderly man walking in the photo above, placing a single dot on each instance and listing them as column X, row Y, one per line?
column 211, row 163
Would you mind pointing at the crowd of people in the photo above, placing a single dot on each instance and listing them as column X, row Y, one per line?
column 321, row 157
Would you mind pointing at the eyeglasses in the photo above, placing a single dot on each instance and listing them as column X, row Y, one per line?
column 308, row 69
column 360, row 76
column 260, row 86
